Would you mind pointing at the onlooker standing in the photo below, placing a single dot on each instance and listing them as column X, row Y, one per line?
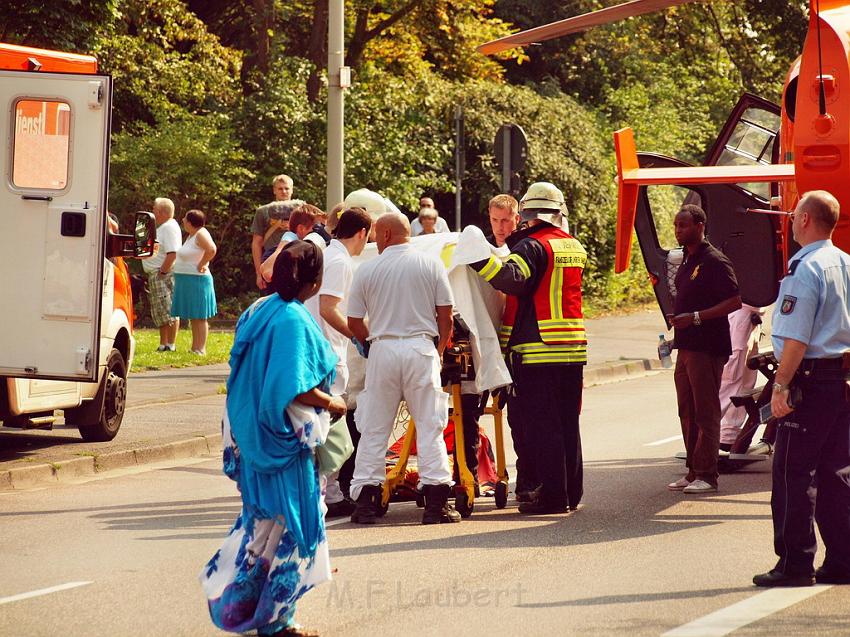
column 706, row 293
column 268, row 226
column 194, row 294
column 160, row 277
column 416, row 225
column 503, row 213
column 301, row 223
column 811, row 466
column 407, row 297
column 428, row 220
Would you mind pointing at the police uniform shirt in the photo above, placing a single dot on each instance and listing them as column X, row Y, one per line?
column 705, row 279
column 812, row 306
column 399, row 290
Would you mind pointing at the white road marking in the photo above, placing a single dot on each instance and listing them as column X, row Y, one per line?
column 726, row 620
column 663, row 441
column 42, row 591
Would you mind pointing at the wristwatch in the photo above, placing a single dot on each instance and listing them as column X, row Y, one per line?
column 697, row 319
column 779, row 387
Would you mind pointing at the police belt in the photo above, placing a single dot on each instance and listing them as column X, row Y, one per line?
column 825, row 368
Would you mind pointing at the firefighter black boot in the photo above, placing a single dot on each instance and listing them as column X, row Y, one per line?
column 367, row 505
column 437, row 507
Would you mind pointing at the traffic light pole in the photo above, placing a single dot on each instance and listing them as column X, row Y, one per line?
column 459, row 163
column 506, row 160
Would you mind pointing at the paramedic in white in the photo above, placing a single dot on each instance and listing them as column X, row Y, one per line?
column 407, row 298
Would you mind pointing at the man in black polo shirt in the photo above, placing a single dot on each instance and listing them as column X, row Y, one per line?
column 706, row 293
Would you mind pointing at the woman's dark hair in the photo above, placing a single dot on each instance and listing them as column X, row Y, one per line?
column 196, row 218
column 297, row 265
column 352, row 221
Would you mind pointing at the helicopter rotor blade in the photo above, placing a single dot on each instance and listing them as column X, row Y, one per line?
column 578, row 24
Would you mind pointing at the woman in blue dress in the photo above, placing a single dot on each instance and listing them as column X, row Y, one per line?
column 277, row 412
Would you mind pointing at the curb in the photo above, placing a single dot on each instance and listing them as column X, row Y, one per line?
column 41, row 475
column 615, row 372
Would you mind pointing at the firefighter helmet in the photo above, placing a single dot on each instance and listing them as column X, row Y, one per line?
column 544, row 201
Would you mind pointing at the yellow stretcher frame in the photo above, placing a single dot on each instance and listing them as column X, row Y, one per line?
column 465, row 497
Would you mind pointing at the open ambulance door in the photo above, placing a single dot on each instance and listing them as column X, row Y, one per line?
column 751, row 241
column 54, row 152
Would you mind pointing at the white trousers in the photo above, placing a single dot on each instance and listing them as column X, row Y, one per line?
column 409, row 369
column 737, row 377
column 334, row 493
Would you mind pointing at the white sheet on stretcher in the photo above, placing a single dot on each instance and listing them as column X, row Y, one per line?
column 477, row 302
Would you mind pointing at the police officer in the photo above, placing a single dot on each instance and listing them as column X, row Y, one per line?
column 811, row 333
column 547, row 343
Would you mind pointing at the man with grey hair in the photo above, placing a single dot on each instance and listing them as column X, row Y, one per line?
column 407, row 297
column 160, row 277
column 269, row 225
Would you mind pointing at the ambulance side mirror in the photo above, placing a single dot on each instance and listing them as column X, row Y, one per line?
column 145, row 235
column 138, row 245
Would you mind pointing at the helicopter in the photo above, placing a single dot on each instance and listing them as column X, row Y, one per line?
column 764, row 157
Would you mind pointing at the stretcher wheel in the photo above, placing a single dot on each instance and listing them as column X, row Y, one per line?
column 420, row 499
column 501, row 495
column 463, row 505
column 381, row 509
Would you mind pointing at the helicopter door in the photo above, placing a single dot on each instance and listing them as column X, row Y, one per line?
column 749, row 240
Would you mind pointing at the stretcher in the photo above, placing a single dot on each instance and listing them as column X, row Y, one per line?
column 456, row 367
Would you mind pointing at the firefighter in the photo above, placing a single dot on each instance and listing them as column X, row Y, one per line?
column 544, row 335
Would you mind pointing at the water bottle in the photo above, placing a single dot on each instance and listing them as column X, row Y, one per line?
column 664, row 352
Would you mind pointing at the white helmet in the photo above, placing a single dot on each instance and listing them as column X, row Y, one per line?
column 370, row 201
column 544, row 201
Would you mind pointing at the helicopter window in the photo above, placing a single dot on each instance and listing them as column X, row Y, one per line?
column 750, row 143
column 40, row 155
column 665, row 202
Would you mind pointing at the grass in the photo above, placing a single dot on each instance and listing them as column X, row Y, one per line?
column 147, row 358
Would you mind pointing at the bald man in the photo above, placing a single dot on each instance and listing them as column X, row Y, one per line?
column 407, row 297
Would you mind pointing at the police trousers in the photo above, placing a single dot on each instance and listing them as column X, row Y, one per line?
column 401, row 369
column 811, row 479
column 549, row 400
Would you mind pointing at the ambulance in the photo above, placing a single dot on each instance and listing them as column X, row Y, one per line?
column 66, row 325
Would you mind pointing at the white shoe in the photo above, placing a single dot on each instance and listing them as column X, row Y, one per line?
column 699, row 486
column 680, row 484
column 761, row 448
column 199, row 352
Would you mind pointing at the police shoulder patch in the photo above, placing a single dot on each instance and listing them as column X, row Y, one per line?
column 788, row 303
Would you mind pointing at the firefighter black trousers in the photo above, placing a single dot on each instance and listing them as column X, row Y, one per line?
column 549, row 397
column 811, row 479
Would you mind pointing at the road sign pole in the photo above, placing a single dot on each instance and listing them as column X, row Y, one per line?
column 506, row 159
column 336, row 103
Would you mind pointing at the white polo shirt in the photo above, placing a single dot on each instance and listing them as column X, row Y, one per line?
column 399, row 291
column 170, row 239
column 337, row 274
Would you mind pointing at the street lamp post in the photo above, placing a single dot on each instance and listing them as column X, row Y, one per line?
column 339, row 78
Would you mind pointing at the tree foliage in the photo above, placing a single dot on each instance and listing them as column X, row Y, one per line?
column 213, row 98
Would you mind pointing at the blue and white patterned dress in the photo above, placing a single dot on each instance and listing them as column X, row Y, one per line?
column 254, row 580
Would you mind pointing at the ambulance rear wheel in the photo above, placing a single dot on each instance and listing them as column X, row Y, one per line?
column 100, row 419
column 501, row 495
column 463, row 505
